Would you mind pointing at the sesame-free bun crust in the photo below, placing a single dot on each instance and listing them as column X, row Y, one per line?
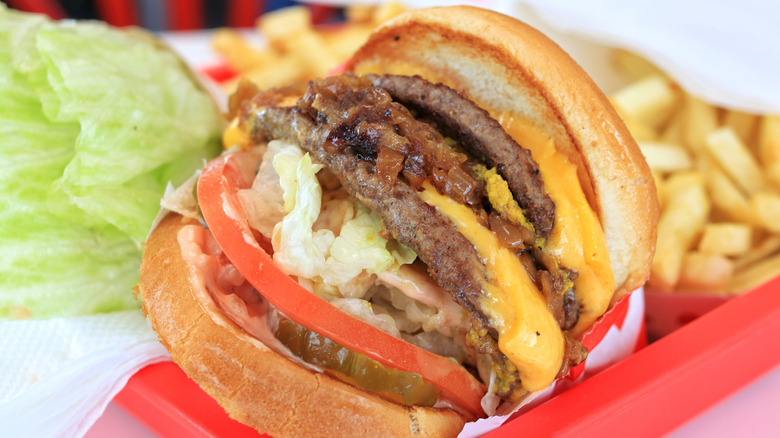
column 506, row 66
column 253, row 383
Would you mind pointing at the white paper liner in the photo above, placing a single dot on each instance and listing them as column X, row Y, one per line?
column 58, row 375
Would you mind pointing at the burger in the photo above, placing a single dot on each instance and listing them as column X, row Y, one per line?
column 409, row 244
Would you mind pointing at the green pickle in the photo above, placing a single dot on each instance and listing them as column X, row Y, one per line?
column 355, row 368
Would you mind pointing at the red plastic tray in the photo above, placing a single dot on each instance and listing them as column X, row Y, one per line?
column 648, row 394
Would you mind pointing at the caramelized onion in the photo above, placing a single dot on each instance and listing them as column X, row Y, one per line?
column 511, row 234
column 388, row 164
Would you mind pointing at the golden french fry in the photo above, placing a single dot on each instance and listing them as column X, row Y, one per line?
column 769, row 148
column 680, row 181
column 735, row 159
column 282, row 25
column 705, row 273
column 317, row 59
column 674, row 130
column 297, row 51
column 727, row 198
column 665, row 157
column 700, row 118
column 745, row 125
column 765, row 207
column 766, row 247
column 685, row 140
column 235, row 50
column 650, row 100
column 633, row 66
column 755, row 275
column 685, row 213
column 286, row 71
column 342, row 43
column 728, row 239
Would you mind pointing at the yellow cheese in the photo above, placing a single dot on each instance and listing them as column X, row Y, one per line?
column 575, row 243
column 527, row 334
column 235, row 136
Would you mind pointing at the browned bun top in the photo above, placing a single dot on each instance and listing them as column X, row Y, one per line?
column 256, row 385
column 505, row 66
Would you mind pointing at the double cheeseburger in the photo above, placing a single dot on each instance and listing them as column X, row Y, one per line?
column 402, row 247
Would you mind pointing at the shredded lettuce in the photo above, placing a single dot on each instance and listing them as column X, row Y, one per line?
column 341, row 258
column 94, row 122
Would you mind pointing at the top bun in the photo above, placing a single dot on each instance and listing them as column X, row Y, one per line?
column 504, row 65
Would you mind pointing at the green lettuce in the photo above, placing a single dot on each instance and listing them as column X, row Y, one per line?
column 340, row 263
column 94, row 122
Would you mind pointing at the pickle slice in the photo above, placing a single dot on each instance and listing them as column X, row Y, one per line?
column 355, row 368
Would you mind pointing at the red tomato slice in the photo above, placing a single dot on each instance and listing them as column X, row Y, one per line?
column 217, row 188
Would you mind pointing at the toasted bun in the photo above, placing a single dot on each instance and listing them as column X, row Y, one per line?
column 256, row 385
column 504, row 65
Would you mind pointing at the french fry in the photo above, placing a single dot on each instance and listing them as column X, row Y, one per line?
column 727, row 198
column 700, row 118
column 650, row 100
column 702, row 272
column 764, row 249
column 235, row 50
column 745, row 125
column 318, row 60
column 286, row 70
column 633, row 66
column 735, row 229
column 665, row 157
column 769, row 148
column 343, row 42
column 735, row 159
column 727, row 239
column 295, row 50
column 686, row 211
column 674, row 130
column 283, row 25
column 757, row 274
column 765, row 207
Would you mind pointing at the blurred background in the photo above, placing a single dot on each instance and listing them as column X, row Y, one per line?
column 169, row 15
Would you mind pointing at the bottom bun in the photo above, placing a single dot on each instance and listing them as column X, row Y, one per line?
column 254, row 384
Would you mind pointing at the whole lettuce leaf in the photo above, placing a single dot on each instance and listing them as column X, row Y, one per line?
column 94, row 122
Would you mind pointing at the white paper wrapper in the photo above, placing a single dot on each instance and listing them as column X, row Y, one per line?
column 58, row 375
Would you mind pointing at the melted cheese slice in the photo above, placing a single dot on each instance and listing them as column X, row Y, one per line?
column 527, row 332
column 577, row 240
column 234, row 135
